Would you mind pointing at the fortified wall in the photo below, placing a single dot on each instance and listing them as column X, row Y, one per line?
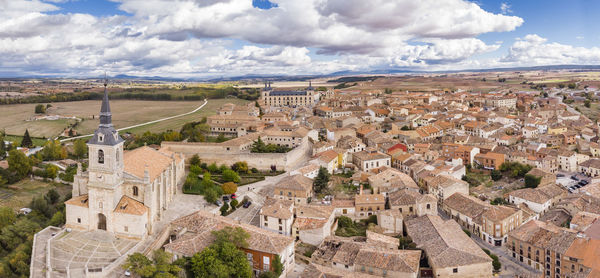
column 227, row 153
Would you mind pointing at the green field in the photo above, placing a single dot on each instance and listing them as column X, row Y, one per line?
column 21, row 193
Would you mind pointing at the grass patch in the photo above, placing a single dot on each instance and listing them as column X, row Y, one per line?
column 26, row 189
column 17, row 140
column 349, row 228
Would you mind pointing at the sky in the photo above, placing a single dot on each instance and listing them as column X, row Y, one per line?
column 222, row 38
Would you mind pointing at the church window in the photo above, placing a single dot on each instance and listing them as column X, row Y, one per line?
column 101, row 156
column 135, row 191
column 117, row 156
column 100, row 137
column 78, row 220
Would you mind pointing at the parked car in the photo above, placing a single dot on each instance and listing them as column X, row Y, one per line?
column 247, row 204
column 218, row 203
column 559, row 175
column 578, row 186
column 233, row 196
column 225, row 198
column 583, row 182
column 575, row 178
column 127, row 273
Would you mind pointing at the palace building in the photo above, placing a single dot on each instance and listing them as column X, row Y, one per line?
column 273, row 98
column 122, row 192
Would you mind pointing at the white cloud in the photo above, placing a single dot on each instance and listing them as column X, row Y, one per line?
column 535, row 50
column 194, row 37
column 505, row 8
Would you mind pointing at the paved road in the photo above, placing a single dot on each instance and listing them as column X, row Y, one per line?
column 143, row 124
column 258, row 192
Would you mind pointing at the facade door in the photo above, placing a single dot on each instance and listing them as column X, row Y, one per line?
column 101, row 222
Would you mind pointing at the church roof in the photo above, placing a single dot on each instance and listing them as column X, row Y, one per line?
column 130, row 206
column 137, row 160
column 106, row 131
column 81, row 200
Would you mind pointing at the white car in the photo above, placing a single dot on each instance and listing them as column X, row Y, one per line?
column 127, row 273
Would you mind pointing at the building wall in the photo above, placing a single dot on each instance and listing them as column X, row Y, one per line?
column 273, row 224
column 219, row 154
column 466, row 271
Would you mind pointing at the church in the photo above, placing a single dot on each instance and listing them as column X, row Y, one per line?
column 122, row 192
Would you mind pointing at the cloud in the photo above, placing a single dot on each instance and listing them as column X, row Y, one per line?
column 505, row 8
column 196, row 37
column 535, row 50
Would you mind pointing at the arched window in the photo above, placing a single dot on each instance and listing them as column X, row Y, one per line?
column 135, row 191
column 101, row 156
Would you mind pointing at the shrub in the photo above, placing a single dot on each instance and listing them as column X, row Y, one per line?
column 344, row 221
column 234, row 204
column 195, row 169
column 230, row 176
column 532, row 181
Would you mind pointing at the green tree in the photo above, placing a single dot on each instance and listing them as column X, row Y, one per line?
column 211, row 195
column 223, row 258
column 587, row 103
column 26, row 142
column 52, row 196
column 195, row 160
column 18, row 163
column 230, row 176
column 80, row 148
column 258, row 146
column 405, row 128
column 159, row 267
column 532, row 181
column 496, row 175
column 7, row 217
column 213, row 168
column 3, row 148
column 51, row 171
column 224, row 208
column 234, row 204
column 405, row 242
column 277, row 265
column 40, row 109
column 240, row 167
column 321, row 181
column 53, row 150
column 57, row 220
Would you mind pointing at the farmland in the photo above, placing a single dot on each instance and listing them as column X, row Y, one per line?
column 125, row 113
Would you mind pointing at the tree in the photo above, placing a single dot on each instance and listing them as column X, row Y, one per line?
column 57, row 219
column 18, row 163
column 240, row 167
column 159, row 267
column 234, row 203
column 229, row 187
column 7, row 217
column 321, row 181
column 26, row 142
column 51, row 171
column 532, row 181
column 587, row 103
column 210, row 195
column 195, row 160
column 2, row 146
column 53, row 150
column 213, row 168
column 406, row 242
column 224, row 208
column 80, row 148
column 277, row 265
column 223, row 258
column 405, row 128
column 230, row 176
column 40, row 109
column 572, row 86
column 498, row 201
column 221, row 138
column 496, row 175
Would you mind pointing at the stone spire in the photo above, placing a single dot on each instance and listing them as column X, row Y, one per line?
column 105, row 114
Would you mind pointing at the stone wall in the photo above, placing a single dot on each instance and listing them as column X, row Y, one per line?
column 224, row 154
